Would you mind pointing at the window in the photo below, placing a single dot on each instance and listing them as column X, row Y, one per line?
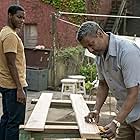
column 30, row 35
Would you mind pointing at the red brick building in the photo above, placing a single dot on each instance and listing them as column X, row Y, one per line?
column 38, row 23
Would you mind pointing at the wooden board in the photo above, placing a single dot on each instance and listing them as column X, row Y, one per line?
column 38, row 117
column 51, row 131
column 60, row 123
column 64, row 103
column 87, row 130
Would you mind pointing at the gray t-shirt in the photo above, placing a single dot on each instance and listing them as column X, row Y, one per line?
column 121, row 70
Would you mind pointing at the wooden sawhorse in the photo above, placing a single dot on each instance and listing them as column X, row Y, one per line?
column 37, row 128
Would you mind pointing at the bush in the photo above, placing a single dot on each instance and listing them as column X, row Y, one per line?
column 90, row 72
column 71, row 57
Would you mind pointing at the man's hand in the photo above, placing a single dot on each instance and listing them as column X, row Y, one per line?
column 21, row 96
column 92, row 115
column 110, row 131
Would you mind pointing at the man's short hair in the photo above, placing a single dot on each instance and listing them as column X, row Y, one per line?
column 14, row 8
column 88, row 27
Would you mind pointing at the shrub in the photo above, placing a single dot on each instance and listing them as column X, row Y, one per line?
column 90, row 72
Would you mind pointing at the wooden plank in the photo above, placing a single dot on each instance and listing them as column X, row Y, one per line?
column 60, row 123
column 64, row 103
column 53, row 128
column 87, row 130
column 24, row 135
column 38, row 117
column 51, row 131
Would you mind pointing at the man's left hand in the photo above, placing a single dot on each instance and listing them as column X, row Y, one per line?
column 110, row 131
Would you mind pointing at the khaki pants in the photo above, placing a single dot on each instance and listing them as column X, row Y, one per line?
column 129, row 131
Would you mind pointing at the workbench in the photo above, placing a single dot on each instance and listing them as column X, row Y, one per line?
column 38, row 127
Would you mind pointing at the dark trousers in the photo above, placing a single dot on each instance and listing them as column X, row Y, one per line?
column 129, row 131
column 13, row 115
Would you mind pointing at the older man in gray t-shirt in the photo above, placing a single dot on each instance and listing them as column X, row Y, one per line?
column 118, row 65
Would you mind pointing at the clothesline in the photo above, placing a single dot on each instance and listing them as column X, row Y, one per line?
column 68, row 22
column 98, row 15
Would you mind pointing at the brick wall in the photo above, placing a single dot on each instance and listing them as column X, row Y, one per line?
column 103, row 7
column 40, row 14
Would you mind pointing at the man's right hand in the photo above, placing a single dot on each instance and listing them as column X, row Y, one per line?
column 21, row 97
column 92, row 115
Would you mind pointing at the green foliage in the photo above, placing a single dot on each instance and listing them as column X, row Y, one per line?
column 71, row 57
column 75, row 6
column 68, row 5
column 89, row 71
column 88, row 86
column 69, row 53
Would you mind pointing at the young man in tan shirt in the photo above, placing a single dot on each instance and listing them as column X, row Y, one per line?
column 12, row 75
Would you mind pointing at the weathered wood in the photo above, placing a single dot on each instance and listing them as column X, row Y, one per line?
column 64, row 103
column 36, row 128
column 24, row 135
column 38, row 117
column 87, row 130
column 52, row 131
column 60, row 123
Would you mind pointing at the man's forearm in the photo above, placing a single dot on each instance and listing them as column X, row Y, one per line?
column 102, row 93
column 128, row 104
column 14, row 75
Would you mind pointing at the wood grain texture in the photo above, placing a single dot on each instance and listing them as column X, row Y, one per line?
column 38, row 117
column 87, row 130
column 64, row 103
